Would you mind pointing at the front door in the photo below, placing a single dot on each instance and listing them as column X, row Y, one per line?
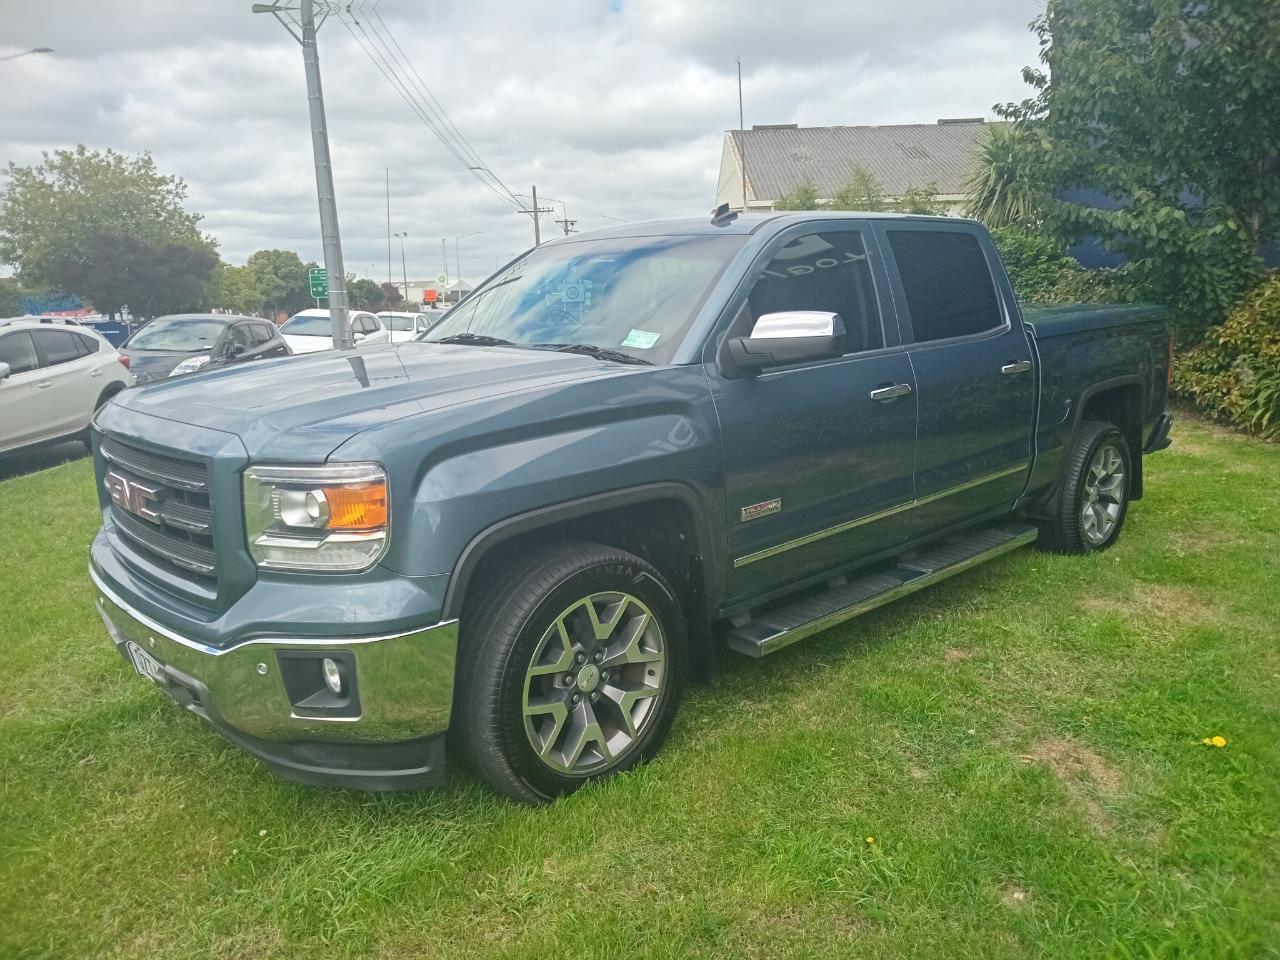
column 974, row 373
column 26, row 411
column 811, row 460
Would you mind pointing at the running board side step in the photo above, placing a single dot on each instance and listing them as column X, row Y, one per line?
column 780, row 626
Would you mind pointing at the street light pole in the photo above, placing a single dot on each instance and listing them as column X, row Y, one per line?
column 457, row 260
column 404, row 268
column 331, row 242
column 15, row 56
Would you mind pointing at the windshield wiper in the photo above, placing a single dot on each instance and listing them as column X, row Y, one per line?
column 591, row 350
column 474, row 340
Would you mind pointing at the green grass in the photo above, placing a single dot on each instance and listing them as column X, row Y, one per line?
column 1023, row 743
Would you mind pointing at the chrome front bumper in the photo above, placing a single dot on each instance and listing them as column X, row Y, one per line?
column 405, row 684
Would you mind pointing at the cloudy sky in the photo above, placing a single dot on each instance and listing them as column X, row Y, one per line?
column 615, row 107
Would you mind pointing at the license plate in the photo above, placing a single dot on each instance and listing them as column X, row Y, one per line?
column 146, row 665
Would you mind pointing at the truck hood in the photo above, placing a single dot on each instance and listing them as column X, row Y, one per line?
column 304, row 407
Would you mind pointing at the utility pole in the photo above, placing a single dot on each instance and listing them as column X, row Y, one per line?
column 536, row 212
column 306, row 22
column 742, row 139
column 403, row 267
column 564, row 220
column 444, row 256
column 388, row 225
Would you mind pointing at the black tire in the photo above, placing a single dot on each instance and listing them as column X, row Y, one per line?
column 1067, row 531
column 505, row 623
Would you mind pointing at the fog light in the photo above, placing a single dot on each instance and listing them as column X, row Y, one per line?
column 332, row 676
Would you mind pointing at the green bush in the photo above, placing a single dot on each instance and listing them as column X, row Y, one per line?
column 1042, row 272
column 1234, row 373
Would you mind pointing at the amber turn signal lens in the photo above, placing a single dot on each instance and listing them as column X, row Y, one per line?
column 357, row 506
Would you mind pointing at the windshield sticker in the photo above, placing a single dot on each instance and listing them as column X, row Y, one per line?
column 642, row 339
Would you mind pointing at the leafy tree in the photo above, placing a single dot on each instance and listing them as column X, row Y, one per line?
column 119, row 269
column 922, row 200
column 57, row 218
column 803, row 197
column 10, row 297
column 1171, row 111
column 279, row 279
column 365, row 294
column 392, row 296
column 862, row 192
column 233, row 289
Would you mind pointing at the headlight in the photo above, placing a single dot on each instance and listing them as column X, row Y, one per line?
column 189, row 365
column 325, row 518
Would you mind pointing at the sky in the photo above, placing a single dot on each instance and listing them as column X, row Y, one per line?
column 615, row 109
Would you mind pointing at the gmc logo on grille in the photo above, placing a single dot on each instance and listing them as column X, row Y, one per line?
column 138, row 498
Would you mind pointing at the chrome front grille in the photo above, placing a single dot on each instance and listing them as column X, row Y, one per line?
column 175, row 521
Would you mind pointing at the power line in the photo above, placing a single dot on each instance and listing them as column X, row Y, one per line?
column 421, row 100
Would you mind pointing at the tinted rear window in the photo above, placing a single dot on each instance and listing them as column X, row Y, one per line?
column 55, row 346
column 947, row 282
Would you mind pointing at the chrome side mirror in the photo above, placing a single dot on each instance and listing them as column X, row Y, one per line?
column 786, row 337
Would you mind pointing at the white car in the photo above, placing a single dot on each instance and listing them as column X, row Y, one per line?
column 311, row 330
column 406, row 326
column 52, row 379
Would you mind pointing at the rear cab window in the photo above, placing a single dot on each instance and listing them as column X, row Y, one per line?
column 948, row 284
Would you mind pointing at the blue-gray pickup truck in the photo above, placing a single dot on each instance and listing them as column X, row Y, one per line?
column 626, row 454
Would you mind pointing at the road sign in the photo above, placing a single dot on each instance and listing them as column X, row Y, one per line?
column 319, row 280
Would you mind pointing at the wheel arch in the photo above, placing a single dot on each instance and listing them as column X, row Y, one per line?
column 663, row 523
column 1118, row 401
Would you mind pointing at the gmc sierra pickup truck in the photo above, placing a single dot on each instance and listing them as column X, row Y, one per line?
column 625, row 454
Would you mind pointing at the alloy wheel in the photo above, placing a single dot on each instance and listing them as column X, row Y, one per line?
column 1102, row 498
column 593, row 683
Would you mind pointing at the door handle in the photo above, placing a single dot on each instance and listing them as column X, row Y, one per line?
column 890, row 392
column 1020, row 366
column 44, row 384
column 96, row 373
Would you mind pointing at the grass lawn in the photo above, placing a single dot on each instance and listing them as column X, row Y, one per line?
column 1006, row 765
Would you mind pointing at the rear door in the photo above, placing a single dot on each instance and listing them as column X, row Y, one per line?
column 817, row 473
column 973, row 367
column 74, row 378
column 25, row 413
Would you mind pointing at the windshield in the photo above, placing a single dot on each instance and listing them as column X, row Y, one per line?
column 312, row 326
column 634, row 294
column 174, row 333
column 398, row 321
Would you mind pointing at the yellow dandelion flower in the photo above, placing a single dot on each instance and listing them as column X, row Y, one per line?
column 1219, row 741
column 871, row 839
column 1207, row 742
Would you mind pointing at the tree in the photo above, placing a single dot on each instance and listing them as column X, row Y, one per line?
column 391, row 296
column 57, row 215
column 10, row 297
column 232, row 288
column 279, row 279
column 803, row 197
column 1006, row 188
column 920, row 200
column 1169, row 112
column 862, row 192
column 365, row 294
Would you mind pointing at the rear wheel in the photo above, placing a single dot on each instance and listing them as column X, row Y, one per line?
column 572, row 665
column 1095, row 492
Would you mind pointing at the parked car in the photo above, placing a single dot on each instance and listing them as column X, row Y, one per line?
column 526, row 530
column 186, row 342
column 311, row 330
column 406, row 326
column 53, row 376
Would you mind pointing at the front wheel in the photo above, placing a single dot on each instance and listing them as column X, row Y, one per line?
column 1094, row 498
column 571, row 667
